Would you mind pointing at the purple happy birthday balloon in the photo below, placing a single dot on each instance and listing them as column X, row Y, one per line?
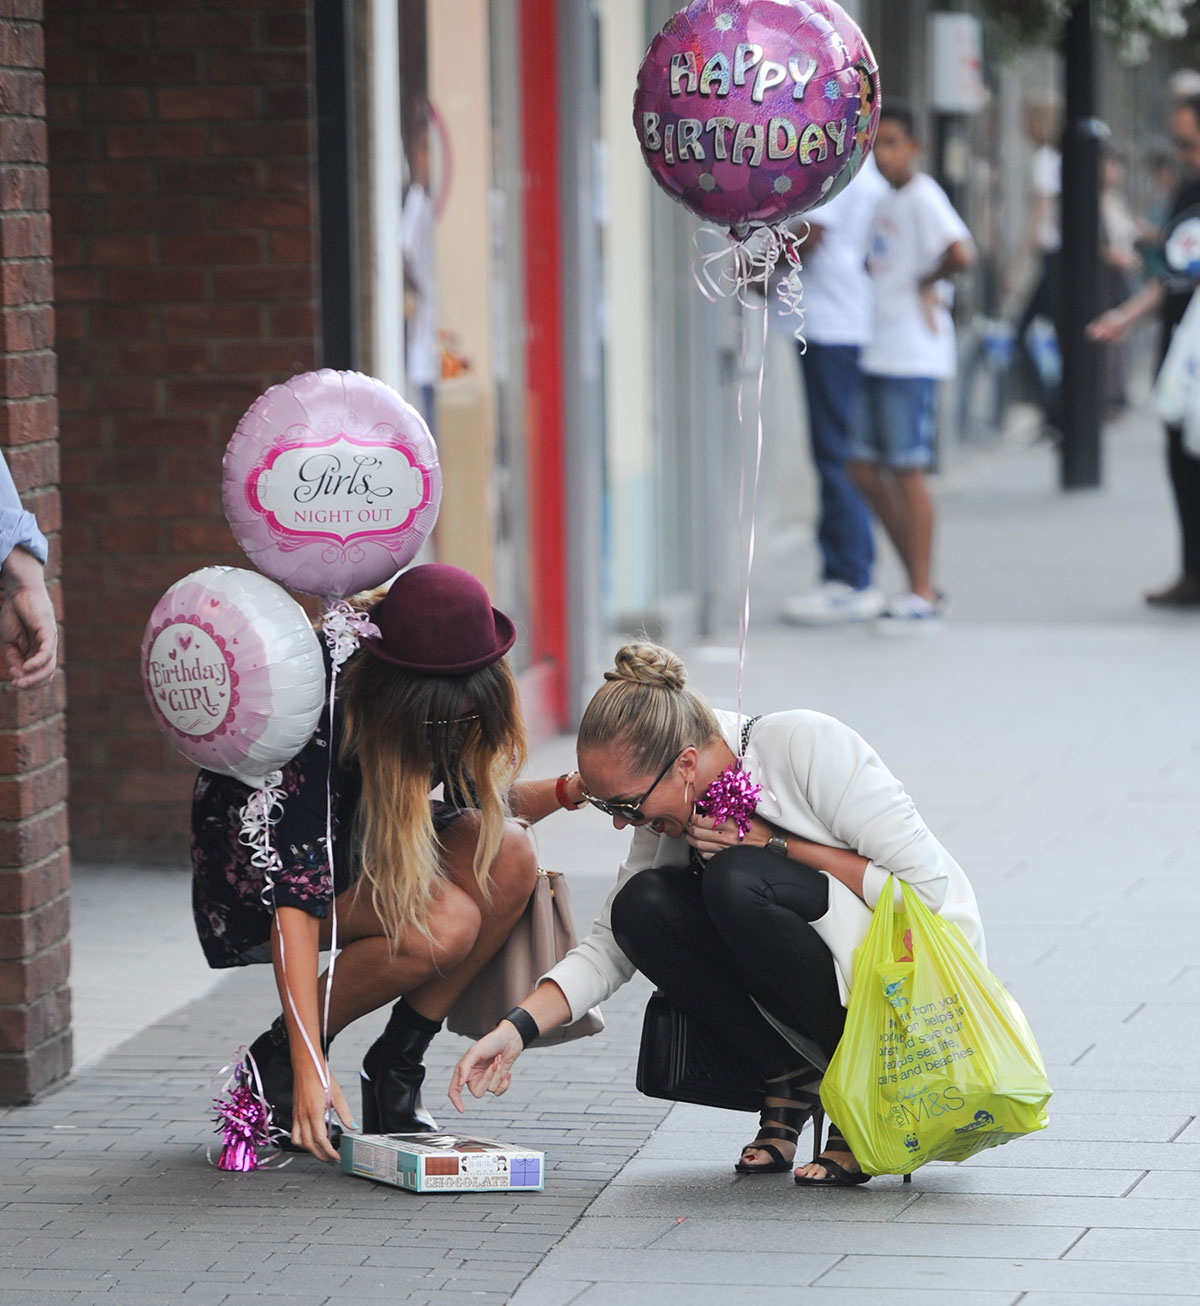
column 755, row 110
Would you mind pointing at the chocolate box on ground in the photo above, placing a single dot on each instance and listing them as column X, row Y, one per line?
column 432, row 1163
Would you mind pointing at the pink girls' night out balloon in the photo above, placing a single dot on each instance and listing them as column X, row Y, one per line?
column 332, row 482
column 752, row 111
column 233, row 671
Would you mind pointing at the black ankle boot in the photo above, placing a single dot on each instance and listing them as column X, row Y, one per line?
column 392, row 1074
column 272, row 1055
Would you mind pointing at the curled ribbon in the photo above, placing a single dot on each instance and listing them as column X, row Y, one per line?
column 263, row 809
column 343, row 627
column 727, row 264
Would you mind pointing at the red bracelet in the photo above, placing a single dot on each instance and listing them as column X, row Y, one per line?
column 560, row 791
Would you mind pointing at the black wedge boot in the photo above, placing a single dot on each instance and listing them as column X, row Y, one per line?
column 272, row 1055
column 392, row 1074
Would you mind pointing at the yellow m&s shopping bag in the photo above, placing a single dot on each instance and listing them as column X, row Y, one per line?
column 937, row 1062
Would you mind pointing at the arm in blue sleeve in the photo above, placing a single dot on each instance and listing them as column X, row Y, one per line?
column 17, row 527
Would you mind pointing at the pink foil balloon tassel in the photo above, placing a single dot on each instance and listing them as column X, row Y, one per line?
column 732, row 796
column 244, row 1120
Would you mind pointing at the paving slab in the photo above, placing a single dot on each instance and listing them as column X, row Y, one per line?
column 1043, row 739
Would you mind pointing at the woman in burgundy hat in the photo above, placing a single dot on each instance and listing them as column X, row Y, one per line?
column 426, row 890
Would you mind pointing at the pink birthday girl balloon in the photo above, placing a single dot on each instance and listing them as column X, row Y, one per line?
column 233, row 671
column 751, row 111
column 332, row 482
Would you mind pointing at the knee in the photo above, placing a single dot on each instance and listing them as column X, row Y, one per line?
column 454, row 924
column 513, row 872
column 734, row 882
column 638, row 909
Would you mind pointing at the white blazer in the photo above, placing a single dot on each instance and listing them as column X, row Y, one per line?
column 820, row 781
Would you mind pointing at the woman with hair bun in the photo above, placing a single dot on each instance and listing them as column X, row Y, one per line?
column 749, row 925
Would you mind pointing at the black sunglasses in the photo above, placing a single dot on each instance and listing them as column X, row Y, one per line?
column 629, row 810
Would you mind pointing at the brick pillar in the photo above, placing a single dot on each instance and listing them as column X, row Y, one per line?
column 183, row 161
column 35, row 1037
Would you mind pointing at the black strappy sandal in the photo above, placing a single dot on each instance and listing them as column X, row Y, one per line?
column 836, row 1176
column 784, row 1121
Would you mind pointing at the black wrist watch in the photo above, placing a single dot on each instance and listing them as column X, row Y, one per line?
column 777, row 844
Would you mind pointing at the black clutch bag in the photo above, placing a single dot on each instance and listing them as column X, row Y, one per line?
column 686, row 1062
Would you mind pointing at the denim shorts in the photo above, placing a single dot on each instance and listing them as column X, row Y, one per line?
column 897, row 424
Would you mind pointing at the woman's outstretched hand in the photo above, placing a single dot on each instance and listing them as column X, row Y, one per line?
column 308, row 1113
column 486, row 1066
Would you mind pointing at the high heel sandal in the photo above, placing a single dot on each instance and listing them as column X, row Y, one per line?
column 836, row 1176
column 272, row 1055
column 392, row 1075
column 795, row 1106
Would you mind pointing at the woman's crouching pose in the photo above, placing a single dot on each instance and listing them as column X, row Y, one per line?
column 752, row 936
column 425, row 891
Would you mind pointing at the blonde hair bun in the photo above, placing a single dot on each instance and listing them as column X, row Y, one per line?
column 648, row 664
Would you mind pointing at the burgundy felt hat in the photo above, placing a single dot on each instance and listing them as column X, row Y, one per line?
column 438, row 619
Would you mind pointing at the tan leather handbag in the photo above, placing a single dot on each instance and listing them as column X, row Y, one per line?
column 543, row 936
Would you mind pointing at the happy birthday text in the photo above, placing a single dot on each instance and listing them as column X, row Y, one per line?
column 724, row 136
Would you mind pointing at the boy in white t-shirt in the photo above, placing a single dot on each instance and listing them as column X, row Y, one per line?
column 917, row 242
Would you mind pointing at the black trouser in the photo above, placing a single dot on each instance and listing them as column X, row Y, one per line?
column 712, row 939
column 1185, row 485
column 1045, row 301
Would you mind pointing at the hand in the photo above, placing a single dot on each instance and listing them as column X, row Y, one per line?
column 709, row 838
column 486, row 1066
column 576, row 789
column 1107, row 328
column 28, row 630
column 1125, row 260
column 310, row 1103
column 931, row 301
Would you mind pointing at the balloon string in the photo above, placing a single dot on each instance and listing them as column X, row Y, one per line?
column 262, row 810
column 744, row 614
column 725, row 267
column 342, row 627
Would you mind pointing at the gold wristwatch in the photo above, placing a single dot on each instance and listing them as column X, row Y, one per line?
column 777, row 844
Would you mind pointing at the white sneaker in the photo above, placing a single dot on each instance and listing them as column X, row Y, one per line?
column 909, row 614
column 832, row 602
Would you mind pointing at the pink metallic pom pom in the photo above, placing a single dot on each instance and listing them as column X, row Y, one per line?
column 244, row 1121
column 732, row 796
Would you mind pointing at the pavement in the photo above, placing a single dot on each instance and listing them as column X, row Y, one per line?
column 1050, row 736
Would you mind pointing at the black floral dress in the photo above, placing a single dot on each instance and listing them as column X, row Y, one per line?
column 232, row 920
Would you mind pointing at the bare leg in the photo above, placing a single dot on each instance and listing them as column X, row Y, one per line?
column 511, row 878
column 918, row 512
column 878, row 486
column 368, row 974
column 902, row 503
column 466, row 932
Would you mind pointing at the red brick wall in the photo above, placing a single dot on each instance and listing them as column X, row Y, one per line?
column 35, row 1039
column 182, row 168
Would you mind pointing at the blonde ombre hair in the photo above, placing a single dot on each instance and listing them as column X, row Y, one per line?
column 404, row 730
column 645, row 710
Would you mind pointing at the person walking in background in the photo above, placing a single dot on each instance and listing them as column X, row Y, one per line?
column 838, row 312
column 1120, row 265
column 422, row 360
column 1042, row 244
column 28, row 629
column 917, row 242
column 1169, row 297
